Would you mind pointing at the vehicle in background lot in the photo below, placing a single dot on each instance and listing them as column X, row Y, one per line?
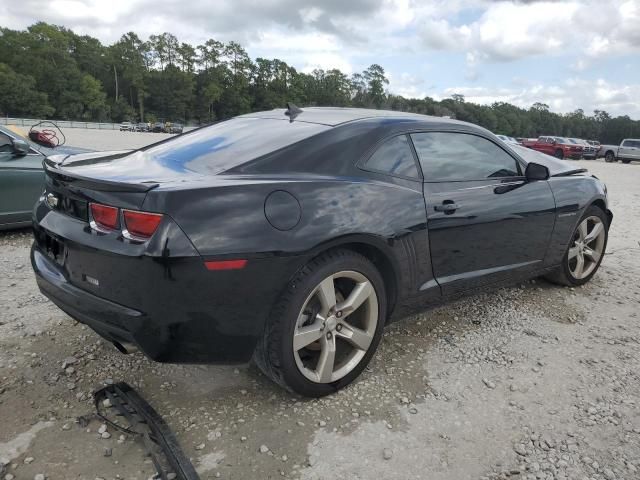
column 506, row 139
column 22, row 176
column 594, row 143
column 126, row 127
column 292, row 237
column 158, row 127
column 589, row 151
column 558, row 147
column 142, row 127
column 175, row 128
column 628, row 151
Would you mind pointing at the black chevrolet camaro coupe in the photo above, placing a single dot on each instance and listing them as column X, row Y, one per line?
column 292, row 237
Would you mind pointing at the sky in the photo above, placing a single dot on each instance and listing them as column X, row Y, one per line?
column 567, row 54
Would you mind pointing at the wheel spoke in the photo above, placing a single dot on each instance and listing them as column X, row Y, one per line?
column 594, row 233
column 307, row 335
column 358, row 295
column 579, row 266
column 324, row 368
column 582, row 229
column 592, row 254
column 573, row 252
column 327, row 294
column 355, row 336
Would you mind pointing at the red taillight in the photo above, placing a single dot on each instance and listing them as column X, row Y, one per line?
column 104, row 216
column 141, row 224
column 225, row 264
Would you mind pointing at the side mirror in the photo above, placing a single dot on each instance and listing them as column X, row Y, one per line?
column 535, row 171
column 20, row 147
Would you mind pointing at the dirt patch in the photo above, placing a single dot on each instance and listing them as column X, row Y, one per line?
column 530, row 382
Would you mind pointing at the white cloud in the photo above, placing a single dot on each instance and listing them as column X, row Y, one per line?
column 568, row 96
column 327, row 61
column 509, row 30
column 408, row 85
column 400, row 35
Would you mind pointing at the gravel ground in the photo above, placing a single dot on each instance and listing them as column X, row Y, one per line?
column 530, row 382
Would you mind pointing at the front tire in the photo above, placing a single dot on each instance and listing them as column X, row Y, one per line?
column 326, row 326
column 585, row 251
column 559, row 154
column 609, row 157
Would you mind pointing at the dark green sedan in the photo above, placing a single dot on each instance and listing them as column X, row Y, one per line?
column 21, row 176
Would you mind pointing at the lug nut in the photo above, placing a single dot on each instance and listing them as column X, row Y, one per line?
column 339, row 327
column 328, row 335
column 339, row 313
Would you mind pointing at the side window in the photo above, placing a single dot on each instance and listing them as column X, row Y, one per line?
column 394, row 157
column 447, row 157
column 5, row 143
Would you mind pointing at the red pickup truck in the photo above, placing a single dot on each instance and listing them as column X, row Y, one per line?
column 556, row 146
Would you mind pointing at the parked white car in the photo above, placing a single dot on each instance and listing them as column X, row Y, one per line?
column 126, row 127
column 509, row 140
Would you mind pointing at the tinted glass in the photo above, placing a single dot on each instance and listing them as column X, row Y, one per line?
column 5, row 143
column 225, row 145
column 395, row 157
column 631, row 143
column 459, row 156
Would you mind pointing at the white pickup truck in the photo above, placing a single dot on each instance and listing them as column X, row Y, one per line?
column 629, row 150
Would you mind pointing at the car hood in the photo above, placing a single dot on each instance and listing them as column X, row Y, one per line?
column 556, row 167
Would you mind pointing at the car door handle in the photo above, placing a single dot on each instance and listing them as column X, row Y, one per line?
column 447, row 207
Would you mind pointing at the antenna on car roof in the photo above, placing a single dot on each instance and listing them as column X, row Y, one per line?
column 292, row 111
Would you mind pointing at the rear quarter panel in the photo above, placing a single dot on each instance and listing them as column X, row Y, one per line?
column 229, row 220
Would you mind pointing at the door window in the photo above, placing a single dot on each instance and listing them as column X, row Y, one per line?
column 447, row 157
column 395, row 158
column 5, row 143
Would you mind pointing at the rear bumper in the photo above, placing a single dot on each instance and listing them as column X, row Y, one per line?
column 113, row 321
column 173, row 321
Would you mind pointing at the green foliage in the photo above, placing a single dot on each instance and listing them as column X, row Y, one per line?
column 47, row 70
column 19, row 97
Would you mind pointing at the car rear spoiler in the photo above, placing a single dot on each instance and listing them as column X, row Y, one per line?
column 54, row 169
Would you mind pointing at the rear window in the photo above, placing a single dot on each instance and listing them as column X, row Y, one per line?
column 228, row 144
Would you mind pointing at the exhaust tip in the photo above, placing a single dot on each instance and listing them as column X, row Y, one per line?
column 126, row 348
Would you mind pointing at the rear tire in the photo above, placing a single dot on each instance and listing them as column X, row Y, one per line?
column 585, row 246
column 626, row 160
column 344, row 336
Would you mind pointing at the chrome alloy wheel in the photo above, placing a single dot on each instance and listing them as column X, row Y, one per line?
column 335, row 327
column 588, row 247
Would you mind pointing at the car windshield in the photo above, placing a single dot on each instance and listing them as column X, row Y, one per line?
column 562, row 140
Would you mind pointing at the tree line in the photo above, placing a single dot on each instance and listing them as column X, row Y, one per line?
column 48, row 71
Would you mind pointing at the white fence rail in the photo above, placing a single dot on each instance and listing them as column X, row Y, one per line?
column 27, row 122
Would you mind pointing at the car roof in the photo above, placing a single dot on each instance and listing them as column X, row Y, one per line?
column 333, row 116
